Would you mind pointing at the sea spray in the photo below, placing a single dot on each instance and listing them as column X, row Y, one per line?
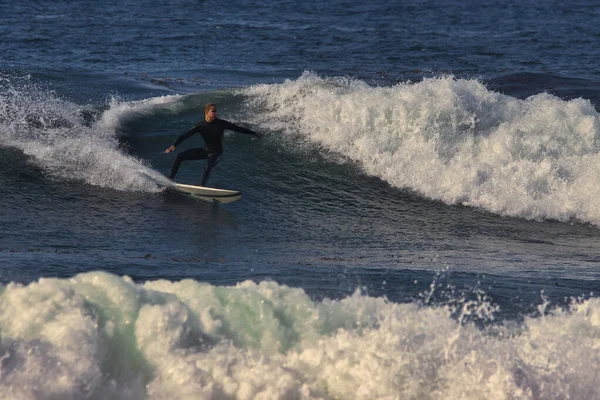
column 98, row 335
column 67, row 141
column 449, row 139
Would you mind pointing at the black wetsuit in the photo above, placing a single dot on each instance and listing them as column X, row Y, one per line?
column 212, row 133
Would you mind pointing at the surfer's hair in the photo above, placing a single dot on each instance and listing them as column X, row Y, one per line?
column 208, row 106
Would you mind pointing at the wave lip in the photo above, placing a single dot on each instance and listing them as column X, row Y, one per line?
column 98, row 335
column 120, row 112
column 451, row 140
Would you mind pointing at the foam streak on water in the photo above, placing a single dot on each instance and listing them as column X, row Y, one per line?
column 98, row 335
column 451, row 140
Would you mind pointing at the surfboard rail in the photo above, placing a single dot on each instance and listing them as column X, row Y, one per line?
column 209, row 194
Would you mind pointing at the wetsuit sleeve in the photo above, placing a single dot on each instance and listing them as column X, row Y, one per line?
column 184, row 136
column 233, row 127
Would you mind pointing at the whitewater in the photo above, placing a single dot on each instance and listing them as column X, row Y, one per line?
column 98, row 335
column 71, row 141
column 451, row 140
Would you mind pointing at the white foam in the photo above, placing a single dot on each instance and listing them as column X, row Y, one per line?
column 451, row 140
column 99, row 336
column 55, row 134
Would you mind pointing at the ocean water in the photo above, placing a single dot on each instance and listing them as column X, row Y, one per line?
column 420, row 221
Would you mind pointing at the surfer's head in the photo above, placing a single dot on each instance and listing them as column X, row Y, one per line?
column 210, row 112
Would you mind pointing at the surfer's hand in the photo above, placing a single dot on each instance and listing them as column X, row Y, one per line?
column 170, row 149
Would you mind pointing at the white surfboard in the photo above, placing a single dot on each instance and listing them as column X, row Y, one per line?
column 209, row 194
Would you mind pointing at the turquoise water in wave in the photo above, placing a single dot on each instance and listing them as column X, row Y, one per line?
column 420, row 221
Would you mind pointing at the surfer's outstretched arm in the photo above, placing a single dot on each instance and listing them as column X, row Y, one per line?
column 235, row 128
column 181, row 138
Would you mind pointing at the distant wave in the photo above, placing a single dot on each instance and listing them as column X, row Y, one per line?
column 451, row 140
column 98, row 336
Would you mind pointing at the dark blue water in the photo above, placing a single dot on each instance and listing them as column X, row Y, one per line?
column 420, row 220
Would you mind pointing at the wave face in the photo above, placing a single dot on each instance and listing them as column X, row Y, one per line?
column 98, row 335
column 451, row 140
column 70, row 141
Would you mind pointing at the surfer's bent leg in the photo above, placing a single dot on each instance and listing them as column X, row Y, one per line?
column 213, row 160
column 191, row 154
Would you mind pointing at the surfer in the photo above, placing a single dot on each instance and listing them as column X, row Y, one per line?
column 211, row 129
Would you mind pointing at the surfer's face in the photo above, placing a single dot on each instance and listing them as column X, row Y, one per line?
column 211, row 114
